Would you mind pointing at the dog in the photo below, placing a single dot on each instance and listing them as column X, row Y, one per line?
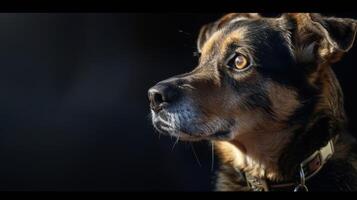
column 264, row 93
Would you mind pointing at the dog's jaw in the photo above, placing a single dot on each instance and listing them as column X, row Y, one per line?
column 186, row 122
column 175, row 121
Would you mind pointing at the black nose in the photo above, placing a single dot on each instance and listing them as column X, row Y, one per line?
column 162, row 94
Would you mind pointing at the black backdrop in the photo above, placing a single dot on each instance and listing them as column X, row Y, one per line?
column 73, row 108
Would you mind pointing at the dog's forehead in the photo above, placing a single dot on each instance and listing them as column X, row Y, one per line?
column 238, row 31
column 222, row 38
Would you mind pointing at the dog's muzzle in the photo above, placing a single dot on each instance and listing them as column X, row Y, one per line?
column 175, row 112
column 171, row 113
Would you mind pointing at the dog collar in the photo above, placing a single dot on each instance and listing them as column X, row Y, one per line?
column 308, row 168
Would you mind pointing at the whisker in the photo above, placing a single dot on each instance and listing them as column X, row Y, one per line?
column 194, row 153
column 164, row 121
column 212, row 158
column 178, row 138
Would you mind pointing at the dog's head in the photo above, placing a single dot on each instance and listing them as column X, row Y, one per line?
column 255, row 74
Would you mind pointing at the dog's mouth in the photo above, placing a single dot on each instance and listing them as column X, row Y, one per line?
column 165, row 125
column 185, row 126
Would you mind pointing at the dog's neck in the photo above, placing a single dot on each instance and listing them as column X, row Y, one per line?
column 275, row 155
column 257, row 154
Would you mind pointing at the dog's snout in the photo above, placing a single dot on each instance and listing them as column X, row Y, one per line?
column 161, row 94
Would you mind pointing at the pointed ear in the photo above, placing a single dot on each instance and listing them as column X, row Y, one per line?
column 207, row 30
column 328, row 37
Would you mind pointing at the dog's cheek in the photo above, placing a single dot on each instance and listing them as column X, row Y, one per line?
column 247, row 122
column 217, row 103
column 284, row 101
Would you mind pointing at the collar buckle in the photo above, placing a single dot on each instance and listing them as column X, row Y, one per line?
column 301, row 187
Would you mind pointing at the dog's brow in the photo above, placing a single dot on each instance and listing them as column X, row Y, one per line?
column 223, row 40
column 233, row 37
column 209, row 45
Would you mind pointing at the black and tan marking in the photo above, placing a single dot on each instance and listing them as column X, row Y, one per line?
column 278, row 106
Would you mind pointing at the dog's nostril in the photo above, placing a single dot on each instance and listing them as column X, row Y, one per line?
column 158, row 98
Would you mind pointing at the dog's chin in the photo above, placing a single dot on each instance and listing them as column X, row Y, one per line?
column 184, row 136
column 189, row 132
column 162, row 128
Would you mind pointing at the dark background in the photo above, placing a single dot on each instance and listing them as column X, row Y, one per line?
column 73, row 108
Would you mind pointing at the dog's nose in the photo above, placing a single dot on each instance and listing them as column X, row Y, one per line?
column 161, row 94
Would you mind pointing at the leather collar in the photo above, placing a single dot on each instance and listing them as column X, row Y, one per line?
column 308, row 168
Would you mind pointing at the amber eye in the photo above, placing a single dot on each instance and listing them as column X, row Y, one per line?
column 239, row 62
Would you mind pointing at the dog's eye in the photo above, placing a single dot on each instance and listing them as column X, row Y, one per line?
column 239, row 62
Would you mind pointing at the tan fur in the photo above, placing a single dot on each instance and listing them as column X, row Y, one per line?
column 235, row 36
column 217, row 40
column 209, row 45
column 330, row 101
column 284, row 100
column 208, row 30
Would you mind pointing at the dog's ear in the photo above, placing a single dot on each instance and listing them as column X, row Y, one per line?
column 328, row 37
column 207, row 30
